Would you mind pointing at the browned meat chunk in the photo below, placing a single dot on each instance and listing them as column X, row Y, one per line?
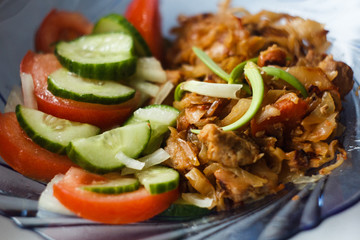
column 183, row 154
column 235, row 189
column 342, row 76
column 298, row 160
column 237, row 184
column 272, row 56
column 227, row 147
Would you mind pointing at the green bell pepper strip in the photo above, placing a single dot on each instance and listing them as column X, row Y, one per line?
column 257, row 84
column 178, row 94
column 230, row 78
column 239, row 70
column 287, row 77
column 211, row 64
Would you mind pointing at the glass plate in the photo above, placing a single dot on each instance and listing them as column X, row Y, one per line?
column 275, row 217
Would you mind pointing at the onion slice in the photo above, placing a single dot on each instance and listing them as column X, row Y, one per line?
column 199, row 200
column 149, row 160
column 164, row 91
column 220, row 90
column 129, row 162
column 150, row 69
column 27, row 84
column 143, row 86
column 15, row 98
column 49, row 202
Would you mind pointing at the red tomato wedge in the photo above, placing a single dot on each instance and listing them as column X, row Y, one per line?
column 103, row 116
column 25, row 156
column 60, row 25
column 122, row 208
column 291, row 108
column 145, row 16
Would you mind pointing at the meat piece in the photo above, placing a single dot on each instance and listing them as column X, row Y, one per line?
column 228, row 148
column 298, row 160
column 183, row 154
column 272, row 56
column 340, row 74
column 234, row 188
column 238, row 184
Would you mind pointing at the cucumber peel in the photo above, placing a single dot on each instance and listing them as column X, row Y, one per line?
column 106, row 56
column 65, row 84
column 115, row 22
column 182, row 210
column 50, row 132
column 159, row 179
column 98, row 153
column 160, row 118
column 114, row 186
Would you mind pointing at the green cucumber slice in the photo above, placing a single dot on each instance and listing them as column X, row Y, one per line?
column 97, row 153
column 65, row 84
column 116, row 22
column 107, row 56
column 159, row 179
column 158, row 113
column 50, row 132
column 181, row 209
column 160, row 118
column 114, row 186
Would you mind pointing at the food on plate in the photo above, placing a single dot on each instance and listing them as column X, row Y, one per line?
column 145, row 16
column 241, row 147
column 51, row 133
column 121, row 208
column 254, row 104
column 39, row 66
column 60, row 25
column 24, row 155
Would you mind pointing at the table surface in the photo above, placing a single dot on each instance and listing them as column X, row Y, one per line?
column 345, row 226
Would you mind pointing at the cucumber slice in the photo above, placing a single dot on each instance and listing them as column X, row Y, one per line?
column 160, row 118
column 114, row 23
column 107, row 56
column 158, row 113
column 181, row 209
column 115, row 186
column 97, row 153
column 65, row 84
column 50, row 132
column 159, row 179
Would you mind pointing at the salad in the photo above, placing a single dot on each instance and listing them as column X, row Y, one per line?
column 255, row 106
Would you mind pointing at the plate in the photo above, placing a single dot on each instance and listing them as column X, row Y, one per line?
column 274, row 217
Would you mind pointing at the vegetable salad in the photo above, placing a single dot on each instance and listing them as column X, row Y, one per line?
column 125, row 129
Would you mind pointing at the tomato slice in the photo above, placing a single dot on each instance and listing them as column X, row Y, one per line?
column 60, row 25
column 145, row 16
column 291, row 108
column 103, row 116
column 25, row 156
column 122, row 208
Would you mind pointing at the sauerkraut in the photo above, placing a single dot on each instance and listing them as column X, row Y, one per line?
column 288, row 136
